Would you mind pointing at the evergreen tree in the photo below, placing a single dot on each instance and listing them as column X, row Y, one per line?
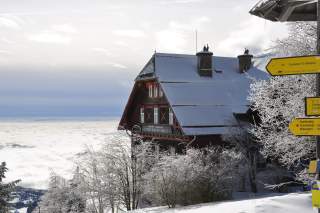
column 5, row 189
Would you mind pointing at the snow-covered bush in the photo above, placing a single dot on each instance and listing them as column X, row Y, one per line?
column 199, row 176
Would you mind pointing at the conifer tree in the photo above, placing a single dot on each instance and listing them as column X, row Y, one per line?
column 5, row 189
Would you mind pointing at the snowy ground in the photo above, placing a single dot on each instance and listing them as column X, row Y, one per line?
column 288, row 203
column 33, row 148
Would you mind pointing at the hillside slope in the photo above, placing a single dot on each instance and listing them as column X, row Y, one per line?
column 293, row 203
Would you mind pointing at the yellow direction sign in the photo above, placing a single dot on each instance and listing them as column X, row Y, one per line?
column 313, row 167
column 315, row 198
column 294, row 65
column 305, row 126
column 312, row 106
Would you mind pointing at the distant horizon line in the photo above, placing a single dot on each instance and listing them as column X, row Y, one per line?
column 59, row 118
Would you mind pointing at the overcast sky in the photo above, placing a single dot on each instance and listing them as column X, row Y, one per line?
column 80, row 57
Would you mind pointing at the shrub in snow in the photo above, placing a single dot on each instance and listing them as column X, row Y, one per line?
column 199, row 176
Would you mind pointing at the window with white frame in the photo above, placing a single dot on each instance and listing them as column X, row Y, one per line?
column 150, row 90
column 156, row 115
column 142, row 115
column 170, row 116
column 155, row 91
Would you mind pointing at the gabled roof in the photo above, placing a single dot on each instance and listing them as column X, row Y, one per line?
column 202, row 105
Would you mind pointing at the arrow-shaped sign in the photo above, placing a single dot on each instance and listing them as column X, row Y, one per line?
column 294, row 65
column 312, row 106
column 305, row 126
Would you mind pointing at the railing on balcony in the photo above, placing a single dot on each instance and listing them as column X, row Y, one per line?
column 158, row 131
column 162, row 129
column 166, row 132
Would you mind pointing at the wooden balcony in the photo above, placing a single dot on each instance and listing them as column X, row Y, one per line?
column 162, row 129
column 161, row 132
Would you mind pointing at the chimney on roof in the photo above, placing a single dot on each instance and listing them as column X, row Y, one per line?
column 205, row 65
column 245, row 61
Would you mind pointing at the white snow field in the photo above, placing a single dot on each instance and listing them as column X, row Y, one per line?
column 287, row 203
column 32, row 149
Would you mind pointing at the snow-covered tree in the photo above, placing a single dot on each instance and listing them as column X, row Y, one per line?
column 63, row 196
column 129, row 163
column 196, row 177
column 5, row 189
column 301, row 40
column 94, row 182
column 246, row 145
column 112, row 175
column 281, row 99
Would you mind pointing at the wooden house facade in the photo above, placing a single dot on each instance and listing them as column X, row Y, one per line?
column 189, row 100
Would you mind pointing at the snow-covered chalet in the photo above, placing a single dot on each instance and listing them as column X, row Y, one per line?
column 181, row 100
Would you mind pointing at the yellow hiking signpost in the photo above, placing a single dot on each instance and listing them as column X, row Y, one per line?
column 294, row 65
column 315, row 194
column 307, row 10
column 305, row 126
column 312, row 106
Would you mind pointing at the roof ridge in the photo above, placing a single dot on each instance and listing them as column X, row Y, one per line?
column 161, row 54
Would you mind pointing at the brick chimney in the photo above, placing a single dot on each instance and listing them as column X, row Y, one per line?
column 245, row 61
column 205, row 65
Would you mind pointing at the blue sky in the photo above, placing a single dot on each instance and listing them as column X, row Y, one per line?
column 79, row 57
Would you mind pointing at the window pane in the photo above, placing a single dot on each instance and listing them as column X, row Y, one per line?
column 150, row 90
column 155, row 86
column 164, row 115
column 148, row 115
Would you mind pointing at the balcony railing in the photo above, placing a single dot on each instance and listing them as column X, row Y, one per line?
column 164, row 129
column 165, row 132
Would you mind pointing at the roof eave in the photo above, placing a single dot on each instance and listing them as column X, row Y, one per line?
column 286, row 10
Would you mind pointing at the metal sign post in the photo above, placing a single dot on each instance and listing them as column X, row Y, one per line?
column 318, row 81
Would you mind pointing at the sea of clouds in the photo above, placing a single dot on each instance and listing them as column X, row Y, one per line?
column 34, row 148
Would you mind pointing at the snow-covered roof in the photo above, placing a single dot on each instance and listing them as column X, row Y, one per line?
column 203, row 105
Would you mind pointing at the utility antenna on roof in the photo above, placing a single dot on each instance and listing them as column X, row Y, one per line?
column 196, row 41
